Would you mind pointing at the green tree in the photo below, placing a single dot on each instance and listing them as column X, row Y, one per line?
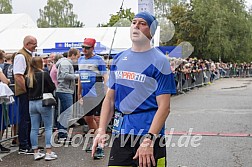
column 217, row 29
column 5, row 6
column 203, row 16
column 122, row 18
column 174, row 17
column 225, row 31
column 179, row 17
column 163, row 7
column 58, row 13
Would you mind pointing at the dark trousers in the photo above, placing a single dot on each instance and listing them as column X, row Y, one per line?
column 24, row 126
column 124, row 148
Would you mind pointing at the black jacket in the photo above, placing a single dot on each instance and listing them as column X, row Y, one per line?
column 36, row 93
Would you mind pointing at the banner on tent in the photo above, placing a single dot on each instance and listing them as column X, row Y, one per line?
column 61, row 47
column 68, row 44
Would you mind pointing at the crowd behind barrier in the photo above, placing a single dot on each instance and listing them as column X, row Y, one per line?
column 191, row 73
column 188, row 74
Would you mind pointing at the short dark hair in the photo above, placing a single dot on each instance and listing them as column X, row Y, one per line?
column 73, row 51
column 2, row 55
column 65, row 54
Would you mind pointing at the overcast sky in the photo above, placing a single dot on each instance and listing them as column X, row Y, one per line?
column 90, row 12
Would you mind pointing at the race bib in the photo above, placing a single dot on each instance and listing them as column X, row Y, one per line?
column 118, row 120
column 84, row 77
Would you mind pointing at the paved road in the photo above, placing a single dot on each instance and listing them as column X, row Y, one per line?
column 217, row 112
column 220, row 113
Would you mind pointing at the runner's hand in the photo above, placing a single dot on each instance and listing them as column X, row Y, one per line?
column 145, row 154
column 80, row 99
column 99, row 139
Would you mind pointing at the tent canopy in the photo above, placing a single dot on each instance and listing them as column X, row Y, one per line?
column 50, row 38
column 17, row 26
column 13, row 21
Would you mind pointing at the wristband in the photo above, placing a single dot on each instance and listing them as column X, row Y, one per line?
column 149, row 136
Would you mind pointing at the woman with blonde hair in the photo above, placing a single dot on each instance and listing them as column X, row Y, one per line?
column 34, row 83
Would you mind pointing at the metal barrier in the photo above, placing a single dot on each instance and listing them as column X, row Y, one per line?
column 188, row 81
column 236, row 72
column 8, row 120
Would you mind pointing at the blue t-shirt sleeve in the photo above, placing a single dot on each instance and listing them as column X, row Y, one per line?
column 165, row 79
column 113, row 68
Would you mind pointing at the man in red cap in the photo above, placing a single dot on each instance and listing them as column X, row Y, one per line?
column 89, row 42
column 91, row 90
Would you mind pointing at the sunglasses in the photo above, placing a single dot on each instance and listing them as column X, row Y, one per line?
column 86, row 47
column 32, row 43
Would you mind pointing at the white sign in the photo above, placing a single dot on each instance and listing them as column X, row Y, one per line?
column 146, row 5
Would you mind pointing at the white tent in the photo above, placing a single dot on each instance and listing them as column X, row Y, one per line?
column 14, row 27
column 12, row 39
column 48, row 38
column 12, row 21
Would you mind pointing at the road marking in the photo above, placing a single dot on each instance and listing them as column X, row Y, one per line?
column 210, row 134
column 200, row 133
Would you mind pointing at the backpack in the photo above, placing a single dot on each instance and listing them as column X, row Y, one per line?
column 8, row 72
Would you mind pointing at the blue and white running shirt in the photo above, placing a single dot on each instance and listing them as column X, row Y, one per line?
column 91, row 71
column 137, row 78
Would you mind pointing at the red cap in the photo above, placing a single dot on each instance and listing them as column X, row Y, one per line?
column 89, row 42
